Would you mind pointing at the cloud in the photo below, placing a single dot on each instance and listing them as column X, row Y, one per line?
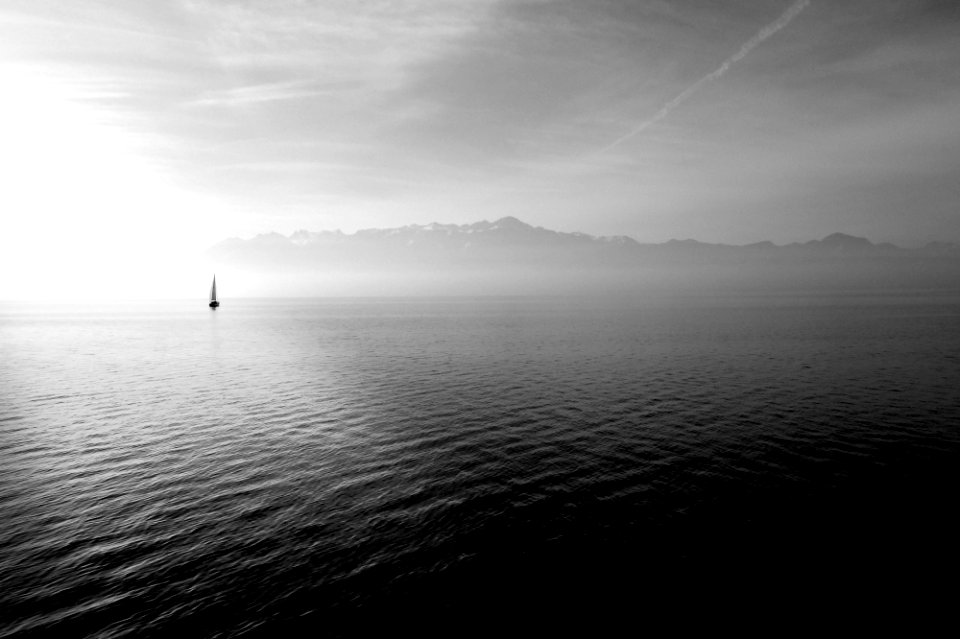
column 258, row 93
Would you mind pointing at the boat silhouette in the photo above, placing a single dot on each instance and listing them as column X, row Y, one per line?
column 213, row 294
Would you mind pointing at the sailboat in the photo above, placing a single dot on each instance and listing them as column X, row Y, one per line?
column 213, row 294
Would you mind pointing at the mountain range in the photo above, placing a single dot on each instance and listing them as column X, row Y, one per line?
column 510, row 256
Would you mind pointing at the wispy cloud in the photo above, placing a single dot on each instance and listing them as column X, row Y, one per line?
column 271, row 92
column 373, row 44
column 748, row 46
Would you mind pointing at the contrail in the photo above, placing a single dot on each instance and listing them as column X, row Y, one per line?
column 747, row 47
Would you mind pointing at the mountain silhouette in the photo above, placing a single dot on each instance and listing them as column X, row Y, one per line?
column 509, row 255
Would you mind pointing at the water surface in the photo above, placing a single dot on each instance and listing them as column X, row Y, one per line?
column 343, row 466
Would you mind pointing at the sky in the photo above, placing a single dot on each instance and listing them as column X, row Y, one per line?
column 136, row 134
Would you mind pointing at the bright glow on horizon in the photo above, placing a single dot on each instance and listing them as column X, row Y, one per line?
column 85, row 217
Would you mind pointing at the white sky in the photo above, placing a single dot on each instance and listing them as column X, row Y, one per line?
column 135, row 134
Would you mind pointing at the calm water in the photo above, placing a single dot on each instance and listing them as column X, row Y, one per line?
column 338, row 467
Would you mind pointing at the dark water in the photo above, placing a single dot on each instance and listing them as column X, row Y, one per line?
column 344, row 467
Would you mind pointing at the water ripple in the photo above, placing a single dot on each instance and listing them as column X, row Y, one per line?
column 274, row 467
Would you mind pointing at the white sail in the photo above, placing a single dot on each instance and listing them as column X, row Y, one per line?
column 213, row 290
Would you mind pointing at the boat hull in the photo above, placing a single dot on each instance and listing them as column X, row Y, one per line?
column 214, row 304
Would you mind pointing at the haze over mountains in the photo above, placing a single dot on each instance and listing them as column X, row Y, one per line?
column 509, row 257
